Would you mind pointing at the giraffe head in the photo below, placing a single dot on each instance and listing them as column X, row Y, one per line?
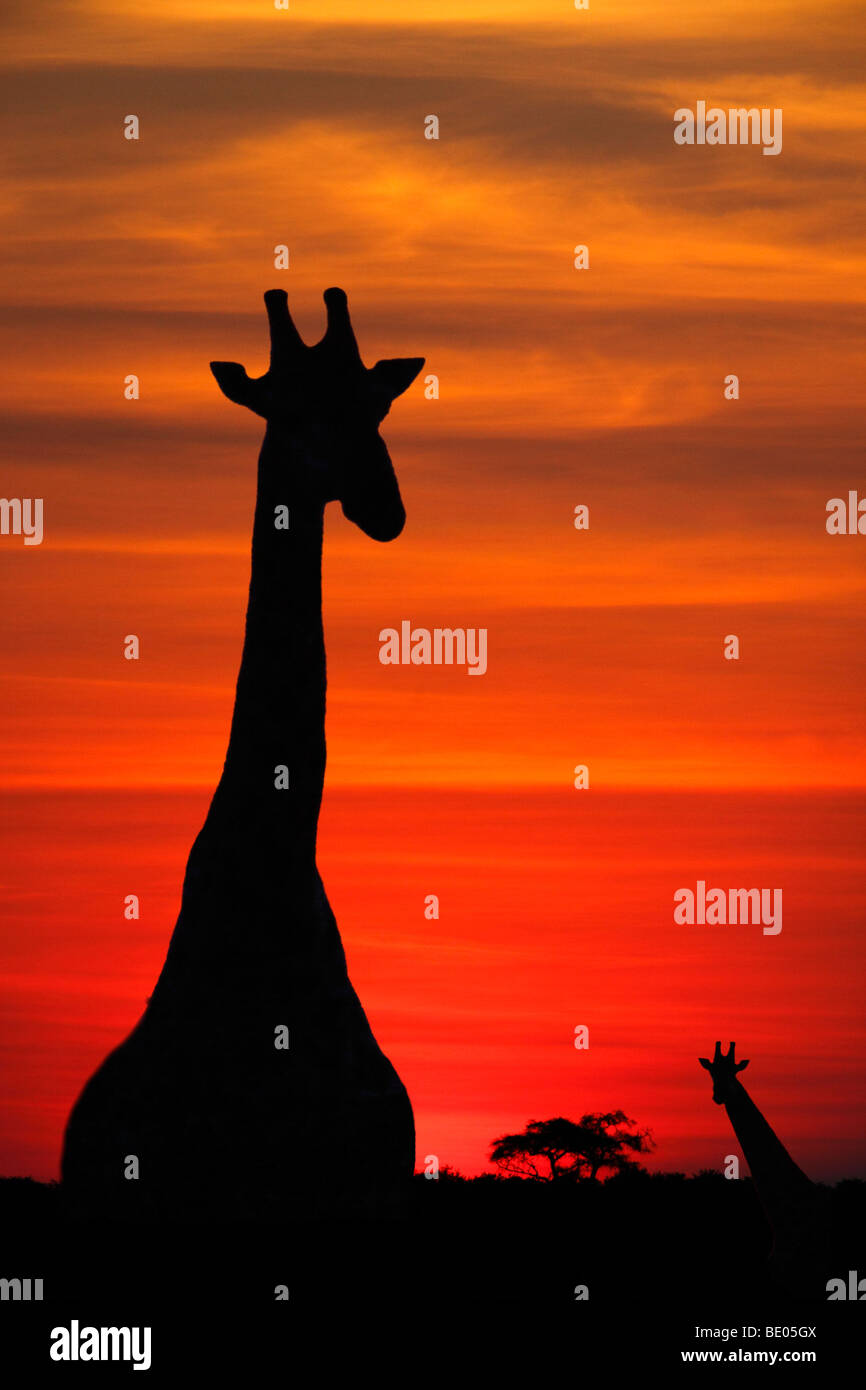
column 325, row 399
column 723, row 1069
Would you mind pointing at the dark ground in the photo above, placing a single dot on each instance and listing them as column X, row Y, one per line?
column 659, row 1255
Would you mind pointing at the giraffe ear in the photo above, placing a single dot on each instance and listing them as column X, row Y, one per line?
column 741, row 1065
column 233, row 381
column 705, row 1062
column 394, row 375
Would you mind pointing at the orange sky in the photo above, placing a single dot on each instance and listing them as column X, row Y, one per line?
column 558, row 387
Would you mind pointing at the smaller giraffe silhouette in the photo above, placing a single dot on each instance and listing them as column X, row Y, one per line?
column 791, row 1202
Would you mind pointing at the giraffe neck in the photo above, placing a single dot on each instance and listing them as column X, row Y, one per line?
column 794, row 1207
column 253, row 863
column 774, row 1171
column 279, row 712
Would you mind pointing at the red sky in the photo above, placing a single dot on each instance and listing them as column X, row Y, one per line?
column 558, row 387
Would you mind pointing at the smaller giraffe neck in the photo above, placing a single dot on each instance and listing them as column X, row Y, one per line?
column 773, row 1169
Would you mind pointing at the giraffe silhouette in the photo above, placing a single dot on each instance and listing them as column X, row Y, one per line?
column 218, row 1117
column 793, row 1205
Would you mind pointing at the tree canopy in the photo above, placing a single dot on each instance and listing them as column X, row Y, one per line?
column 548, row 1150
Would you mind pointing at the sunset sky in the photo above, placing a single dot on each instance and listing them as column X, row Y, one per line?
column 557, row 387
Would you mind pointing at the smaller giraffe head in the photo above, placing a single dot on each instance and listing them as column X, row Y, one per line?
column 723, row 1069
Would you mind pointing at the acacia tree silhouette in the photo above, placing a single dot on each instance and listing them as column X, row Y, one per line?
column 215, row 1114
column 548, row 1150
